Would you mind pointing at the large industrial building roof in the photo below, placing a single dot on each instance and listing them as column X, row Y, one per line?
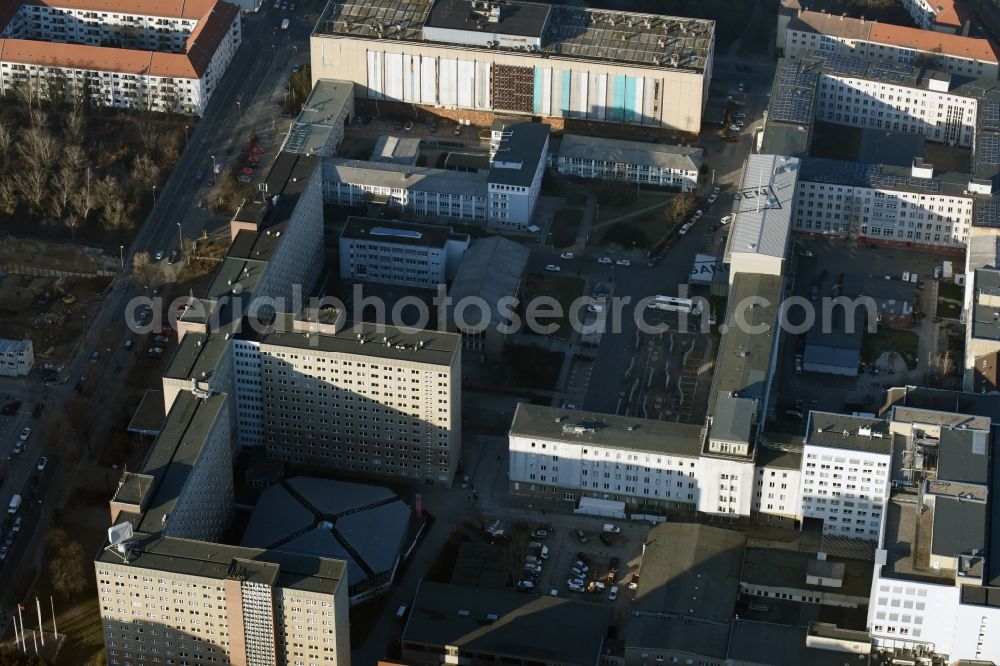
column 572, row 32
column 609, row 430
column 786, row 645
column 523, row 628
column 687, row 592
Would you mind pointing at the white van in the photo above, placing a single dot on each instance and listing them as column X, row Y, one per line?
column 15, row 504
column 401, row 611
column 284, row 24
column 612, row 529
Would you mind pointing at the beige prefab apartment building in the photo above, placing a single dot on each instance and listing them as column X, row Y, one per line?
column 365, row 399
column 178, row 601
column 520, row 58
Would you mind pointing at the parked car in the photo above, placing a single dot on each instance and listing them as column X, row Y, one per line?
column 798, row 364
column 611, row 528
column 544, row 554
column 25, row 434
column 161, row 340
column 95, row 356
column 577, row 572
column 408, row 127
column 805, row 253
column 604, row 260
column 613, row 593
column 553, row 268
column 3, row 553
column 42, row 462
column 734, row 128
column 540, row 534
column 525, row 585
column 155, row 352
column 401, row 611
column 712, row 198
column 458, row 130
column 567, row 255
column 18, row 522
column 623, row 262
column 581, row 536
column 716, row 190
column 581, row 565
column 158, row 255
column 739, row 116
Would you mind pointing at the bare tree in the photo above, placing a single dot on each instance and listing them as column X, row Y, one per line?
column 75, row 124
column 115, row 216
column 38, row 148
column 6, row 140
column 8, row 195
column 73, row 155
column 145, row 171
column 66, row 561
column 72, row 223
column 64, row 183
column 105, row 191
column 31, row 184
column 680, row 207
column 147, row 132
column 83, row 198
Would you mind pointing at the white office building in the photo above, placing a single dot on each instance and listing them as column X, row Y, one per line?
column 504, row 198
column 885, row 203
column 935, row 577
column 393, row 252
column 845, row 474
column 17, row 357
column 637, row 162
column 143, row 57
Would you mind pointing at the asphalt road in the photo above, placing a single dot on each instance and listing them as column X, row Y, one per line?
column 258, row 69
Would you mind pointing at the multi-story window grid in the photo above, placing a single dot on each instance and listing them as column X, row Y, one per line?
column 361, row 412
column 119, row 57
column 936, row 114
column 896, row 216
column 844, row 486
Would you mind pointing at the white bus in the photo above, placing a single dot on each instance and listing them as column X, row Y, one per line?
column 675, row 304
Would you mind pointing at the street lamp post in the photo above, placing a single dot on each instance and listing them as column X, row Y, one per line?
column 180, row 237
column 154, row 196
column 186, row 128
column 214, row 171
column 239, row 107
column 121, row 255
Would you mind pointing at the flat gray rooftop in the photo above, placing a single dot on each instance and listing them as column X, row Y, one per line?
column 176, row 452
column 568, row 31
column 311, row 131
column 504, row 623
column 744, row 360
column 521, row 149
column 404, row 177
column 663, row 156
column 882, row 176
column 785, row 645
column 622, row 432
column 425, row 346
column 852, row 433
column 774, row 567
column 490, row 269
column 687, row 590
column 963, row 455
column 400, row 233
column 221, row 562
column 985, row 318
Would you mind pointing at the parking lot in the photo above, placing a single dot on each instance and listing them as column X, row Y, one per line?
column 818, row 265
column 566, row 548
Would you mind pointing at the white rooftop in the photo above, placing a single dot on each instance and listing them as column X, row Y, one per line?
column 762, row 207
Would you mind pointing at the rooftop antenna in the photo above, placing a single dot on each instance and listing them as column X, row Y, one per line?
column 120, row 537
